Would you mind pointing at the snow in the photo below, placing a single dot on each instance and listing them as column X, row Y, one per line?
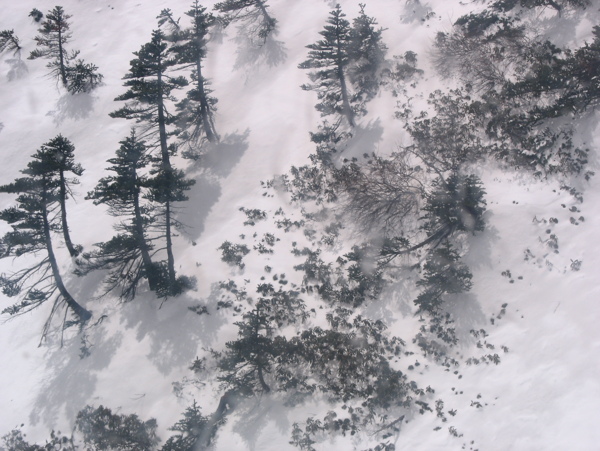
column 545, row 393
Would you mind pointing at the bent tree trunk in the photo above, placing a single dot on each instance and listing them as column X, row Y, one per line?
column 63, row 215
column 83, row 314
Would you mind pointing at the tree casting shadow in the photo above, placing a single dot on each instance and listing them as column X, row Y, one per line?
column 73, row 106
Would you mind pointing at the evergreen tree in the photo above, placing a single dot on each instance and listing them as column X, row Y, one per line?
column 330, row 56
column 58, row 159
column 127, row 256
column 53, row 35
column 253, row 12
column 104, row 430
column 367, row 53
column 149, row 89
column 10, row 42
column 192, row 428
column 196, row 111
column 33, row 224
column 251, row 360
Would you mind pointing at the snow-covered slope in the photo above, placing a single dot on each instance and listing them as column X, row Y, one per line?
column 545, row 393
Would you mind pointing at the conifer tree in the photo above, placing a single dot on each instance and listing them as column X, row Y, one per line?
column 190, row 431
column 10, row 42
column 33, row 223
column 149, row 90
column 196, row 111
column 367, row 54
column 330, row 57
column 53, row 35
column 253, row 12
column 58, row 158
column 127, row 255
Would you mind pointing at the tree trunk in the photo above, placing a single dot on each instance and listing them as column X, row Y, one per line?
column 226, row 406
column 61, row 58
column 167, row 169
column 83, row 314
column 211, row 135
column 63, row 215
column 261, row 378
column 347, row 109
column 345, row 102
column 138, row 224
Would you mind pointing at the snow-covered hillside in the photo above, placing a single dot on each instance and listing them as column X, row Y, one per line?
column 536, row 300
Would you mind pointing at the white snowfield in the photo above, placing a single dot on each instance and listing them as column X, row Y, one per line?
column 545, row 393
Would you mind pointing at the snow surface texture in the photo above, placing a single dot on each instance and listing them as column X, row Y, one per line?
column 544, row 395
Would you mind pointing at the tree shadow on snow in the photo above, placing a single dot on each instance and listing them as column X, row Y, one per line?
column 414, row 11
column 364, row 140
column 18, row 69
column 215, row 162
column 71, row 377
column 254, row 416
column 480, row 246
column 253, row 53
column 73, row 106
column 174, row 331
column 467, row 314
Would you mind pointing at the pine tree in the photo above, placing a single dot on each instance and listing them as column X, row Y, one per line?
column 192, row 428
column 330, row 56
column 253, row 12
column 252, row 359
column 104, row 430
column 367, row 55
column 58, row 159
column 33, row 223
column 127, row 255
column 53, row 35
column 10, row 42
column 150, row 88
column 196, row 111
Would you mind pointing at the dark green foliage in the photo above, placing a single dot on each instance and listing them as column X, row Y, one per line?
column 15, row 441
column 350, row 361
column 367, row 53
column 83, row 77
column 10, row 42
column 456, row 204
column 508, row 5
column 252, row 13
column 528, row 87
column 195, row 117
column 150, row 87
column 36, row 14
column 330, row 57
column 103, row 430
column 127, row 256
column 191, row 429
column 443, row 274
column 355, row 279
column 57, row 159
column 483, row 49
column 254, row 360
column 233, row 254
column 53, row 35
column 33, row 224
